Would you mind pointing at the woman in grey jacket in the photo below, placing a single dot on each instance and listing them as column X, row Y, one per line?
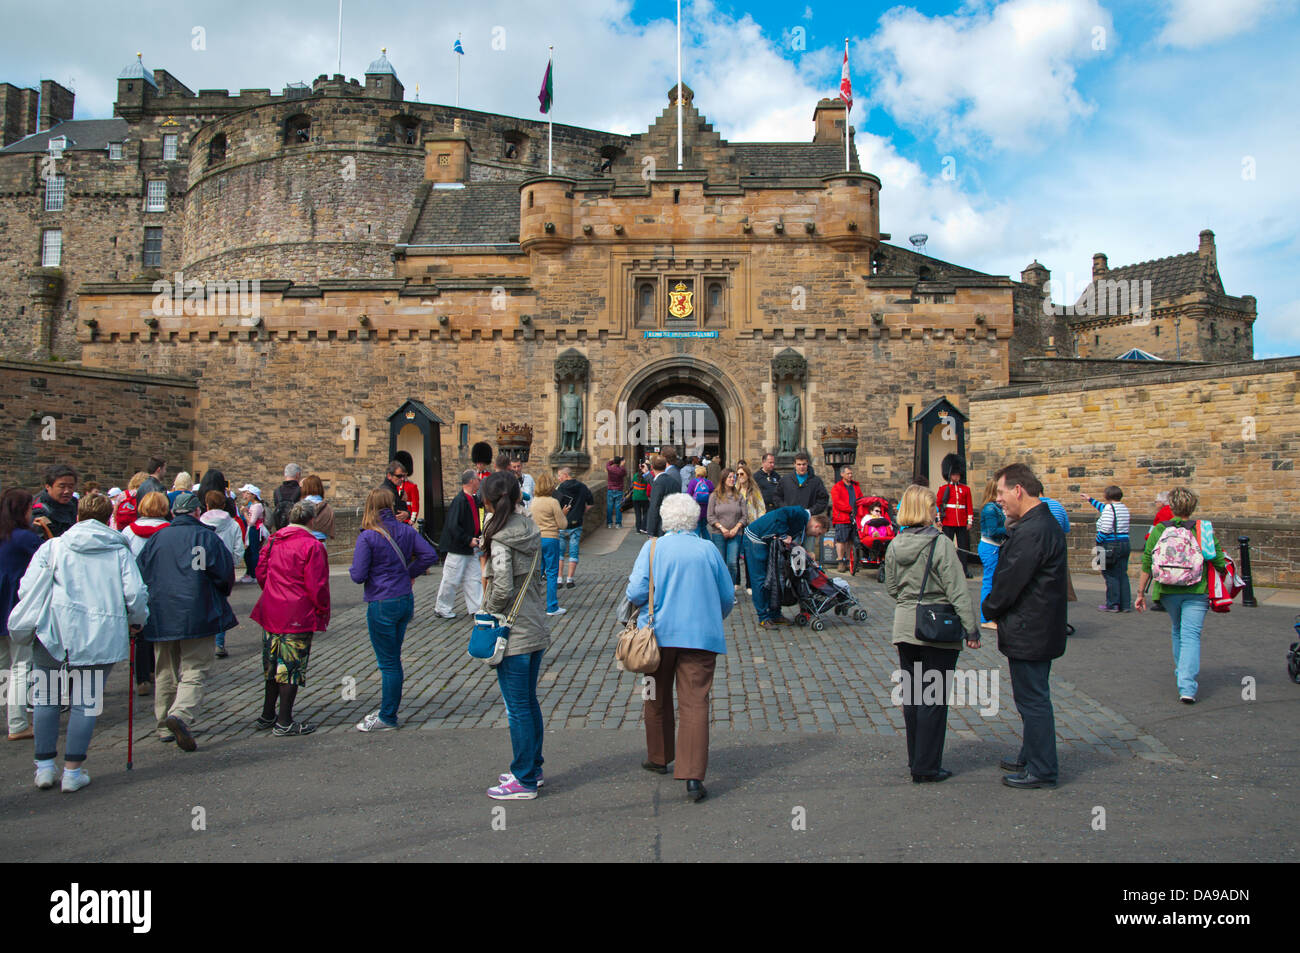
column 921, row 685
column 513, row 544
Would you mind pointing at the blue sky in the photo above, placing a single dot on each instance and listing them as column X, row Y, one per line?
column 1007, row 130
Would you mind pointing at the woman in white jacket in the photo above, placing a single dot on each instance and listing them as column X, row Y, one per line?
column 79, row 600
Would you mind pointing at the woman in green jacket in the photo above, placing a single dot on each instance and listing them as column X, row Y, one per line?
column 925, row 664
column 1186, row 605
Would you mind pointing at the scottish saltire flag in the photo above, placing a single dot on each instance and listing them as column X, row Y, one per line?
column 546, row 96
column 456, row 47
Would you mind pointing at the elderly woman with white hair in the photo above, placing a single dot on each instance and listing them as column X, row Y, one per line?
column 693, row 593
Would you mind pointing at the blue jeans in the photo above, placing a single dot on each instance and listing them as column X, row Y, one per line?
column 730, row 551
column 1186, row 618
column 756, row 562
column 1118, row 591
column 989, row 560
column 387, row 620
column 551, row 571
column 1033, row 696
column 85, row 693
column 613, row 508
column 702, row 528
column 517, row 676
column 569, row 540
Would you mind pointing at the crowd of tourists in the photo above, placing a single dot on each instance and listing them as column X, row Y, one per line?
column 86, row 576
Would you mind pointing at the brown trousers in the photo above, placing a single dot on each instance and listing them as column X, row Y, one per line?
column 693, row 671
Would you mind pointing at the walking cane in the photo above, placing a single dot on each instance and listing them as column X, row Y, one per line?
column 130, row 705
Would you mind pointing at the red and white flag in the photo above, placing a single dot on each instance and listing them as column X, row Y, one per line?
column 846, row 88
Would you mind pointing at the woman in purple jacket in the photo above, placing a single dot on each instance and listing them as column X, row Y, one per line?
column 388, row 556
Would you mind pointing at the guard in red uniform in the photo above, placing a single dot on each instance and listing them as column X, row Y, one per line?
column 956, row 506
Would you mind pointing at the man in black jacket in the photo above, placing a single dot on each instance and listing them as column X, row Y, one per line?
column 769, row 482
column 286, row 494
column 1028, row 603
column 804, row 488
column 462, row 535
column 662, row 485
column 189, row 573
column 575, row 495
column 393, row 480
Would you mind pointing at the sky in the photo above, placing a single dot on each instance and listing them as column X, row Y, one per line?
column 1005, row 130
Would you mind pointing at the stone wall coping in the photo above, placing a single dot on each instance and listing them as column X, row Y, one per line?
column 1143, row 376
column 79, row 370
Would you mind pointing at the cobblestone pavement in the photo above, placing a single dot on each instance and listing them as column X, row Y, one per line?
column 787, row 679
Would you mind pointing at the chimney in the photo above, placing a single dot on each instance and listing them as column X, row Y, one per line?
column 1099, row 266
column 56, row 104
column 828, row 122
column 1206, row 247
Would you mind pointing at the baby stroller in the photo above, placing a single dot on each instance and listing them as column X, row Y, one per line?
column 815, row 592
column 872, row 536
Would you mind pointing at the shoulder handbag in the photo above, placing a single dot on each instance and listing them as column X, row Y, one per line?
column 397, row 549
column 638, row 649
column 1110, row 547
column 488, row 638
column 935, row 622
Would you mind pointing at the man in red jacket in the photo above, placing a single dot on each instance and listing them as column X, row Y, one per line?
column 844, row 500
column 956, row 506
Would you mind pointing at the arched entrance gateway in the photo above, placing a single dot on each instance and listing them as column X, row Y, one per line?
column 650, row 425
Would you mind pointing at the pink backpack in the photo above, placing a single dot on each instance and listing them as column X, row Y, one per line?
column 1176, row 559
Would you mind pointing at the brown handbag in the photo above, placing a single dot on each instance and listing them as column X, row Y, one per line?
column 638, row 649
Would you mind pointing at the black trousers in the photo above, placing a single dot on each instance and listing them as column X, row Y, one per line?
column 927, row 725
column 1033, row 695
column 960, row 535
column 642, row 508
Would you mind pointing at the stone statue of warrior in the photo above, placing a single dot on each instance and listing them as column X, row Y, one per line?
column 571, row 420
column 787, row 409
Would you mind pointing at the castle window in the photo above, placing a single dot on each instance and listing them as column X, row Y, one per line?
column 464, row 436
column 1157, row 330
column 608, row 154
column 1096, row 340
column 151, row 257
column 54, row 193
column 515, row 145
column 217, row 149
column 297, row 130
column 715, row 312
column 156, row 199
column 406, row 130
column 877, row 263
column 1214, row 332
column 923, row 273
column 169, row 147
column 645, row 304
column 51, row 248
column 115, row 151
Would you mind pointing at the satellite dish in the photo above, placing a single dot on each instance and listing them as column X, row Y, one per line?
column 918, row 241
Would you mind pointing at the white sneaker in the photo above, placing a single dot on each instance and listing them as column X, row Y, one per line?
column 372, row 723
column 444, row 615
column 45, row 777
column 75, row 780
column 559, row 611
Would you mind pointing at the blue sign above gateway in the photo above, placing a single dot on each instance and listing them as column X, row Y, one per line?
column 681, row 334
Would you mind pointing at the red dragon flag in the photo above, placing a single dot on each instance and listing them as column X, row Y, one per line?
column 846, row 88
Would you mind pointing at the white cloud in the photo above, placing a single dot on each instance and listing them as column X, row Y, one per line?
column 1196, row 23
column 1003, row 77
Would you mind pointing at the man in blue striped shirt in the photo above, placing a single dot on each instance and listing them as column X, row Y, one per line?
column 1112, row 537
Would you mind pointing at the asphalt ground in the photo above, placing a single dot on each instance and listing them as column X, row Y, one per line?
column 807, row 757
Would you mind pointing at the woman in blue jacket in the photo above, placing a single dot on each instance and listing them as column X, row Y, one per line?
column 693, row 594
column 993, row 533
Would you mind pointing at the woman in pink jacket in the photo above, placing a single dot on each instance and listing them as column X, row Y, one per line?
column 293, row 571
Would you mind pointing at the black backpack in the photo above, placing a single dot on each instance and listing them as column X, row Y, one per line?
column 282, row 508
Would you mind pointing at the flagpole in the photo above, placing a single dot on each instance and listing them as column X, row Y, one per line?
column 848, row 109
column 550, row 113
column 679, row 85
column 459, row 56
column 340, row 69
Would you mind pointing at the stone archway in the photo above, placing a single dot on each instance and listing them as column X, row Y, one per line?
column 682, row 375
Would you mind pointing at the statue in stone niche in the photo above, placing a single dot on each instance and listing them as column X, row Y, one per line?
column 787, row 410
column 571, row 420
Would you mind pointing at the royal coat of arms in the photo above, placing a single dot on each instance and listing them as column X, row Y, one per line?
column 679, row 301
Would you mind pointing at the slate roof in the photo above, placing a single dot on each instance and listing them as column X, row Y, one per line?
column 1171, row 277
column 84, row 135
column 897, row 260
column 790, row 159
column 480, row 213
